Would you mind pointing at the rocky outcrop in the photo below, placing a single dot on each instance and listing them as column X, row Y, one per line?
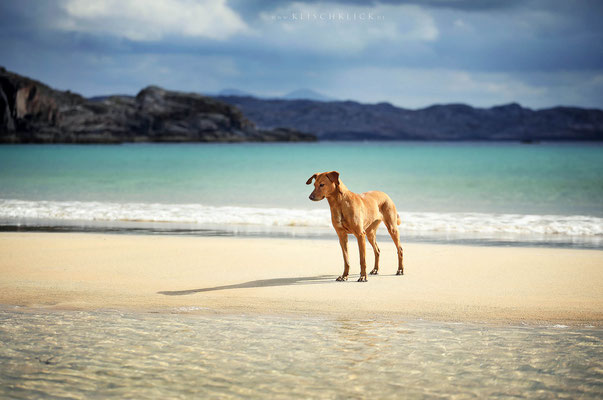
column 349, row 120
column 32, row 112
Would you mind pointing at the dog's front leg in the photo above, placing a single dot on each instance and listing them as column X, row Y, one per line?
column 362, row 248
column 343, row 241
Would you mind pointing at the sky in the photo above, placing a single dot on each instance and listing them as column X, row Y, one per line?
column 539, row 53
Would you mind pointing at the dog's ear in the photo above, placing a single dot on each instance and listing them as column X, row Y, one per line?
column 333, row 177
column 309, row 181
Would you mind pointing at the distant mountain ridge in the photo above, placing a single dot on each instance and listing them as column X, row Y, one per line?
column 32, row 112
column 234, row 92
column 298, row 94
column 306, row 94
column 350, row 120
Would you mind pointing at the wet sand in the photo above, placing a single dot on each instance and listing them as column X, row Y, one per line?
column 287, row 276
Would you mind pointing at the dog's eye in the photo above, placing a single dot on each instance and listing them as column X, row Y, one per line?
column 322, row 184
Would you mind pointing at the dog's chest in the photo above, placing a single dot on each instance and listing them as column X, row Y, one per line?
column 340, row 220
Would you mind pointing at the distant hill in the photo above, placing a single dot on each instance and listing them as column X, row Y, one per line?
column 306, row 94
column 299, row 94
column 32, row 112
column 349, row 120
column 234, row 92
column 103, row 98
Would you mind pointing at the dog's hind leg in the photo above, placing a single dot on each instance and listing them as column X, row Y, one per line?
column 371, row 235
column 396, row 238
column 391, row 222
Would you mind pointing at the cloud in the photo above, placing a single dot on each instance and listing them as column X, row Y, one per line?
column 142, row 20
column 420, row 87
column 335, row 27
column 538, row 53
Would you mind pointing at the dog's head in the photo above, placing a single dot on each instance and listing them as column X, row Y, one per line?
column 325, row 184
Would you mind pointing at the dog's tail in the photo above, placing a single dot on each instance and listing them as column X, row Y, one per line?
column 398, row 221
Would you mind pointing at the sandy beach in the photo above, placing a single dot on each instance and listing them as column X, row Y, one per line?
column 249, row 275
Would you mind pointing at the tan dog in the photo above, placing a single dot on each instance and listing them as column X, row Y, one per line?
column 359, row 215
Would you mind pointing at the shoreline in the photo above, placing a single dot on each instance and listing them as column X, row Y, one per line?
column 453, row 283
column 154, row 228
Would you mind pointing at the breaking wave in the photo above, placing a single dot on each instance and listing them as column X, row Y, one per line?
column 412, row 222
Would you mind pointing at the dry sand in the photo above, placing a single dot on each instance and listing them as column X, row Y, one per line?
column 164, row 273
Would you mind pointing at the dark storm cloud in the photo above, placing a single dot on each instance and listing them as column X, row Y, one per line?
column 539, row 53
column 252, row 6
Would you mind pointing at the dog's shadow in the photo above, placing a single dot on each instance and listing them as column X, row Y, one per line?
column 303, row 280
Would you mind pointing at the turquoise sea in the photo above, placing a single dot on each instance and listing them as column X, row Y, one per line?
column 481, row 193
column 500, row 193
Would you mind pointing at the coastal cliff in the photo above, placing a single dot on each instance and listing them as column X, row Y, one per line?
column 32, row 112
column 349, row 120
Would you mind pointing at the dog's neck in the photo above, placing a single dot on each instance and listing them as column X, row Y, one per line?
column 338, row 195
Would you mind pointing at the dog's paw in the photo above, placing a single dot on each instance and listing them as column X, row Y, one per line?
column 342, row 278
column 375, row 271
column 400, row 272
column 362, row 279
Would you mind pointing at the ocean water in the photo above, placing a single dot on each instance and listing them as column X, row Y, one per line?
column 496, row 193
column 502, row 193
column 188, row 354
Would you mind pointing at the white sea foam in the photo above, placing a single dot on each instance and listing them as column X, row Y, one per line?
column 412, row 222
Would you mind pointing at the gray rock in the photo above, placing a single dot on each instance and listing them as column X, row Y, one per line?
column 32, row 112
